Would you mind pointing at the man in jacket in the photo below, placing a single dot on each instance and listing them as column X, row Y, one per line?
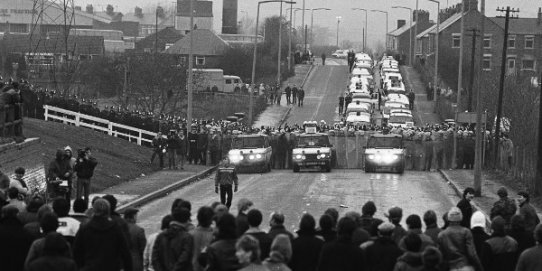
column 466, row 207
column 181, row 148
column 306, row 247
column 277, row 226
column 504, row 207
column 382, row 252
column 414, row 223
column 528, row 212
column 172, row 145
column 225, row 179
column 288, row 91
column 193, row 146
column 294, row 94
column 173, row 247
column 300, row 97
column 100, row 243
column 84, row 168
column 499, row 252
column 158, row 145
column 137, row 238
column 530, row 259
column 59, row 173
column 342, row 254
column 202, row 147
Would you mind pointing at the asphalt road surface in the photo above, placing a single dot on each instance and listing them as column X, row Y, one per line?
column 314, row 192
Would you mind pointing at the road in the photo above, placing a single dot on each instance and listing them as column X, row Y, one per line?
column 314, row 192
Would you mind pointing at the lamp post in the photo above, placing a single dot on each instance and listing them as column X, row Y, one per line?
column 366, row 30
column 409, row 33
column 435, row 81
column 386, row 36
column 338, row 24
column 312, row 21
column 190, row 72
column 253, row 79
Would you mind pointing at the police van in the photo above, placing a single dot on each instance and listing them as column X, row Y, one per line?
column 312, row 149
column 385, row 152
column 251, row 152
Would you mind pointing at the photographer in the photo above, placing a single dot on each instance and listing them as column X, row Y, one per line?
column 84, row 167
column 59, row 176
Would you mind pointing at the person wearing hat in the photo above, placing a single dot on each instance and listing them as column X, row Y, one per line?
column 225, row 179
column 499, row 252
column 55, row 255
column 138, row 240
column 457, row 245
column 395, row 214
column 280, row 255
column 504, row 207
column 527, row 211
column 158, row 144
column 382, row 252
column 478, row 230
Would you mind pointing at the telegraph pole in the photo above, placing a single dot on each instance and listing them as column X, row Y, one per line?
column 479, row 132
column 459, row 78
column 538, row 179
column 501, row 83
column 190, row 67
column 280, row 46
column 474, row 35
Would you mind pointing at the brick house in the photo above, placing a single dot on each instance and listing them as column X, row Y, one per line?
column 209, row 48
column 399, row 39
column 161, row 40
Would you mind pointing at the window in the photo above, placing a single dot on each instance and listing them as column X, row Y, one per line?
column 456, row 40
column 512, row 42
column 487, row 42
column 147, row 50
column 228, row 81
column 529, row 42
column 528, row 64
column 200, row 60
column 487, row 62
column 511, row 63
column 182, row 60
column 419, row 49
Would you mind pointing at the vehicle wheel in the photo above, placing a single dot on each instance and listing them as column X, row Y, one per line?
column 328, row 168
column 401, row 169
column 268, row 167
column 368, row 169
column 296, row 168
column 237, row 90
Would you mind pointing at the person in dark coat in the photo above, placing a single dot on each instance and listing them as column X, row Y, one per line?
column 173, row 247
column 500, row 251
column 306, row 247
column 326, row 230
column 220, row 254
column 528, row 212
column 300, row 97
column 411, row 260
column 181, row 149
column 14, row 239
column 505, row 207
column 465, row 206
column 100, row 243
column 59, row 170
column 431, row 228
column 31, row 213
column 243, row 206
column 158, row 144
column 342, row 254
column 368, row 221
column 479, row 235
column 395, row 214
column 84, row 168
column 138, row 241
column 294, row 94
column 172, row 146
column 517, row 231
column 54, row 255
column 277, row 226
column 193, row 146
column 282, row 150
column 432, row 259
column 202, row 147
column 288, row 91
column 530, row 259
column 255, row 219
column 381, row 253
column 117, row 218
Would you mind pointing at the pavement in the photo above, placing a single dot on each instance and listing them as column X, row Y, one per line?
column 424, row 108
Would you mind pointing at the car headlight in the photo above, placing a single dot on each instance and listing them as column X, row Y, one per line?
column 236, row 158
column 251, row 157
column 258, row 156
column 322, row 156
column 371, row 156
column 299, row 157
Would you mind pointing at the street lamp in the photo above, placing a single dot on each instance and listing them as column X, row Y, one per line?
column 253, row 79
column 435, row 82
column 386, row 36
column 364, row 31
column 338, row 23
column 409, row 33
column 312, row 21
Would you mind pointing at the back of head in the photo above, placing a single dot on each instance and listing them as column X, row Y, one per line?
column 44, row 209
column 227, row 227
column 413, row 242
column 277, row 218
column 112, row 202
column 431, row 257
column 165, row 221
column 35, row 203
column 369, row 208
column 307, row 223
column 249, row 244
column 498, row 225
column 13, row 192
column 205, row 216
column 355, row 216
column 346, row 227
column 282, row 246
column 55, row 244
column 326, row 222
column 414, row 222
column 9, row 211
column 477, row 220
column 430, row 218
column 502, row 192
column 101, row 208
column 49, row 222
column 80, row 205
column 61, row 206
column 517, row 222
column 254, row 218
column 243, row 204
column 181, row 215
column 334, row 214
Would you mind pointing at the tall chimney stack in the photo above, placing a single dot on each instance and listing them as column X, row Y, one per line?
column 539, row 16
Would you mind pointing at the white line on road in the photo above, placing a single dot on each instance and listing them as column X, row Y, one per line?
column 323, row 95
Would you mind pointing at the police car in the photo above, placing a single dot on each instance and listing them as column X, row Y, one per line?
column 252, row 152
column 312, row 149
column 385, row 152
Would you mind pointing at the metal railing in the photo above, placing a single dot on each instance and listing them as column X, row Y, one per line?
column 141, row 137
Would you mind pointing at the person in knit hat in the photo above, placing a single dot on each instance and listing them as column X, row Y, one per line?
column 504, row 207
column 478, row 229
column 281, row 253
column 457, row 245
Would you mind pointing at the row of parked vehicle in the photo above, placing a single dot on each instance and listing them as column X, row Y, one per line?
column 396, row 110
column 362, row 91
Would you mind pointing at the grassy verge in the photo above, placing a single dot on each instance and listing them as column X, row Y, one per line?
column 209, row 106
column 119, row 160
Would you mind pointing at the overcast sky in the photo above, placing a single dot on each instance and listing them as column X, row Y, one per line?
column 351, row 21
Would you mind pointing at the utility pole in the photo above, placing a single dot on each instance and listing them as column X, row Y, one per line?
column 538, row 179
column 190, row 72
column 303, row 25
column 416, row 32
column 474, row 35
column 479, row 132
column 501, row 83
column 290, row 39
column 338, row 23
column 279, row 47
column 459, row 79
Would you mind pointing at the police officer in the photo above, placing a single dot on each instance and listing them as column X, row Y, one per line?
column 300, row 97
column 288, row 91
column 294, row 94
column 225, row 179
column 341, row 104
column 193, row 146
column 158, row 143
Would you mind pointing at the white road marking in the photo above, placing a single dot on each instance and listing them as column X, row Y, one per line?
column 322, row 97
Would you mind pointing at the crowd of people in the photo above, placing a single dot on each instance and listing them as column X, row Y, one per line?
column 59, row 237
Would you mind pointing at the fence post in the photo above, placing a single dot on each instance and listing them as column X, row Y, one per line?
column 139, row 137
column 46, row 115
column 77, row 119
column 357, row 150
column 110, row 128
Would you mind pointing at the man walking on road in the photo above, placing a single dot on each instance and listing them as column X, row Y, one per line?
column 341, row 104
column 288, row 91
column 225, row 178
column 411, row 97
column 301, row 97
column 294, row 94
column 323, row 59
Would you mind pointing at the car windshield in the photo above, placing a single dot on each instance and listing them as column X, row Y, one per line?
column 313, row 141
column 384, row 142
column 400, row 119
column 248, row 142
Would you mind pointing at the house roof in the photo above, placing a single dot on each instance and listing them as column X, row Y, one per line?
column 149, row 19
column 202, row 8
column 520, row 25
column 443, row 25
column 206, row 43
column 92, row 45
column 399, row 31
column 167, row 35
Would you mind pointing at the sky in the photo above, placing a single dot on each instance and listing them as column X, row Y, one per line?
column 351, row 23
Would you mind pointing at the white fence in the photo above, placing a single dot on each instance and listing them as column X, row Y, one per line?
column 113, row 129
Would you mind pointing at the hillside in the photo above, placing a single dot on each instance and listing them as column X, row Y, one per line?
column 119, row 160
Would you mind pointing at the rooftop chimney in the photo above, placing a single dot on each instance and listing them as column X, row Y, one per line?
column 110, row 10
column 138, row 12
column 400, row 23
column 89, row 9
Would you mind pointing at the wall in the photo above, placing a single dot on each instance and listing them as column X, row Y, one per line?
column 29, row 155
